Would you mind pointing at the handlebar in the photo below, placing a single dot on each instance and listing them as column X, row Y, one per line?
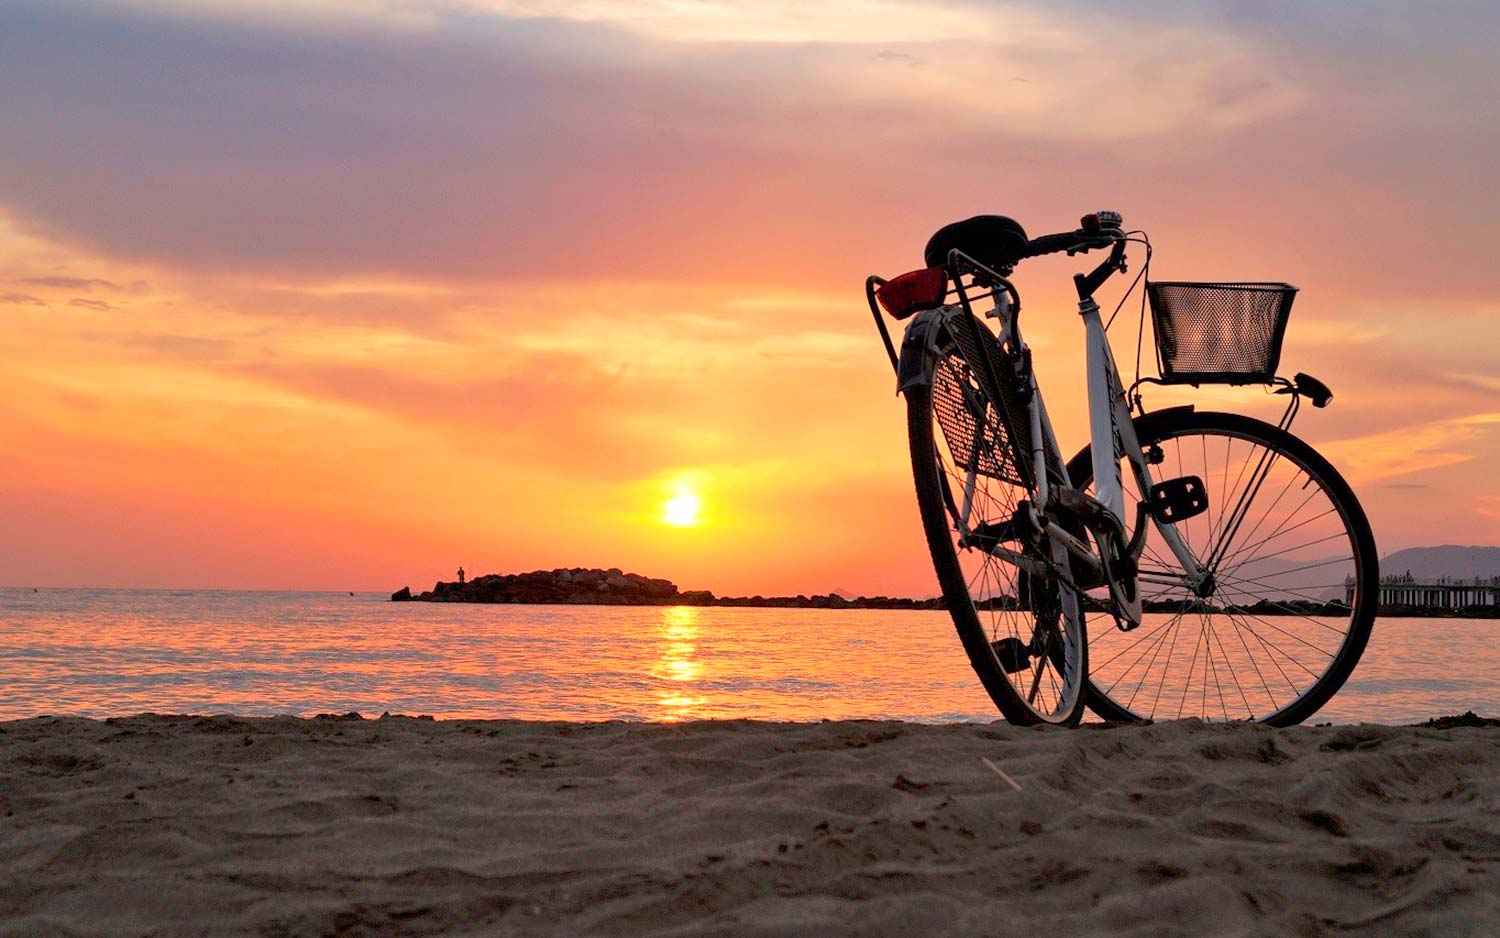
column 1099, row 230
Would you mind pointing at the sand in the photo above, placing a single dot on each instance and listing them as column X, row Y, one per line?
column 206, row 826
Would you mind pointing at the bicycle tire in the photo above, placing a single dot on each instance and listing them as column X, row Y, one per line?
column 934, row 500
column 1179, row 424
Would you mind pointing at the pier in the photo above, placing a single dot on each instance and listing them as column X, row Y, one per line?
column 1444, row 592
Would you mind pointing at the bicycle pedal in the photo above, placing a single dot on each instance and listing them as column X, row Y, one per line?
column 1174, row 500
column 1012, row 653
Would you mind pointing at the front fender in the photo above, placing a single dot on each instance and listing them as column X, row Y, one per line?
column 919, row 350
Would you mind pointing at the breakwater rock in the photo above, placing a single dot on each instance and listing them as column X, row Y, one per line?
column 614, row 587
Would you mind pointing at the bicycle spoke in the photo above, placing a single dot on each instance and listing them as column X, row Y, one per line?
column 1237, row 516
column 1218, row 683
column 1295, row 614
column 1264, row 515
column 1264, row 593
column 1296, row 638
column 1234, row 675
column 1185, row 529
column 1282, row 530
column 1166, row 666
column 1231, row 492
column 1198, row 640
column 1280, row 553
column 1303, row 569
column 1130, row 647
column 1269, row 649
column 1149, row 665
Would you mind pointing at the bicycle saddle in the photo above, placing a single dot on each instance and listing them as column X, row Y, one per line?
column 992, row 240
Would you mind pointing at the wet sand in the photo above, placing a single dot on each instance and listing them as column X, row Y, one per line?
column 217, row 826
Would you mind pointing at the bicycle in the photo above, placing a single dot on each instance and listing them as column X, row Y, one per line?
column 1243, row 584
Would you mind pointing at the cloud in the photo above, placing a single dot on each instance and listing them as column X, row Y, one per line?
column 513, row 140
column 1419, row 448
column 98, row 306
column 1489, row 384
column 855, row 22
column 68, row 283
column 1337, row 332
column 21, row 299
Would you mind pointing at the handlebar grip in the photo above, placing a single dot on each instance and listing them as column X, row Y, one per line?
column 1052, row 243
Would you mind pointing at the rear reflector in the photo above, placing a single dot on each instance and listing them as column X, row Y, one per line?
column 918, row 290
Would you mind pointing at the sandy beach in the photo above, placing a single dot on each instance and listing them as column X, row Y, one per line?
column 400, row 826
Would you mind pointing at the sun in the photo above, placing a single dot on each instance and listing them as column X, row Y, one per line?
column 682, row 510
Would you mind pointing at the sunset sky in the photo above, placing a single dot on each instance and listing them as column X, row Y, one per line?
column 343, row 294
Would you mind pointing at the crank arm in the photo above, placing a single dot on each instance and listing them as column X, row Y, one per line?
column 1075, row 547
column 1033, row 565
column 1164, row 579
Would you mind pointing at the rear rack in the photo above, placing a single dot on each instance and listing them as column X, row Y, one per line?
column 983, row 283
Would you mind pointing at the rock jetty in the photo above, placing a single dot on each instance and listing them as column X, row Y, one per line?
column 614, row 587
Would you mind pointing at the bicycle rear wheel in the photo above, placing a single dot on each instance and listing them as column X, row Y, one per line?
column 1023, row 631
column 1294, row 589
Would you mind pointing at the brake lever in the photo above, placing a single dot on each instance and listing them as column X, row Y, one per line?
column 1107, row 237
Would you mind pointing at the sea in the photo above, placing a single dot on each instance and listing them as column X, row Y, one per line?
column 105, row 652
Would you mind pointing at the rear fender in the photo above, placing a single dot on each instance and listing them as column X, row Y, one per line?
column 919, row 350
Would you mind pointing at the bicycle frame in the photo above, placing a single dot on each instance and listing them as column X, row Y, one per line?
column 1112, row 429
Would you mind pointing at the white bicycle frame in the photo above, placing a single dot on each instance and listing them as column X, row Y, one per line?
column 1112, row 438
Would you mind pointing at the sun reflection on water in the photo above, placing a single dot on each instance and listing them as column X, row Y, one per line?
column 676, row 664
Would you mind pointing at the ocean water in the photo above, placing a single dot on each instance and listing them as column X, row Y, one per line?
column 113, row 652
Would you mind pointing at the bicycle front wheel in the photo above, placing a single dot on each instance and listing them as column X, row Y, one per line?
column 1293, row 594
column 1023, row 631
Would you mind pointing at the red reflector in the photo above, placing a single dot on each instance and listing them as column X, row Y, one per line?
column 918, row 290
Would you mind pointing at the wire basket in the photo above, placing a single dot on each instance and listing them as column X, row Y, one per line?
column 1219, row 333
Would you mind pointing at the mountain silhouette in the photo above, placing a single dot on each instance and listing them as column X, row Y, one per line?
column 1446, row 560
